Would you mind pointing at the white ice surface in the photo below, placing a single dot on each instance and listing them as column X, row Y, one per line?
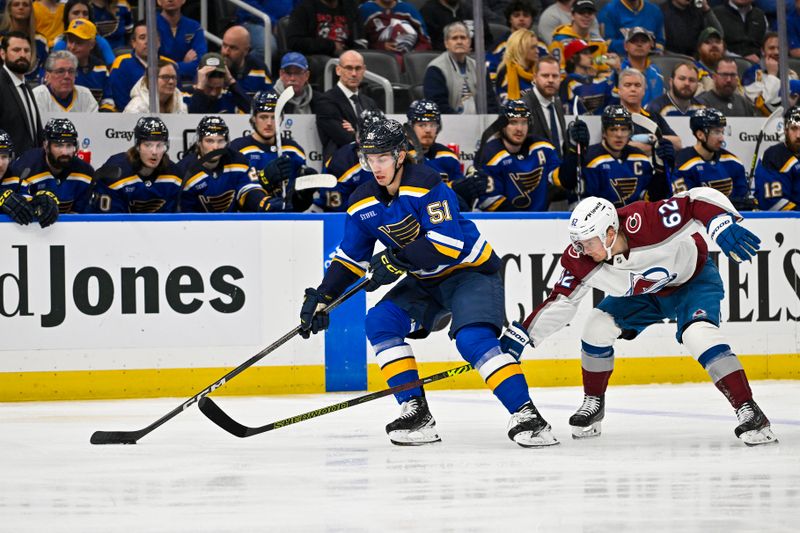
column 667, row 461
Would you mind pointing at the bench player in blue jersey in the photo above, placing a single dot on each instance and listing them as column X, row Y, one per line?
column 520, row 167
column 344, row 164
column 276, row 173
column 778, row 173
column 216, row 178
column 53, row 177
column 426, row 121
column 147, row 181
column 708, row 164
column 451, row 269
column 613, row 169
column 12, row 203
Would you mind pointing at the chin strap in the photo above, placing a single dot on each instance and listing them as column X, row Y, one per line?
column 608, row 248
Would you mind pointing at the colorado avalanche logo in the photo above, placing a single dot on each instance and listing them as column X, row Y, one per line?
column 652, row 280
column 633, row 223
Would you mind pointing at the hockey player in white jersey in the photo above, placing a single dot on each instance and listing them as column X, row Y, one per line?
column 652, row 263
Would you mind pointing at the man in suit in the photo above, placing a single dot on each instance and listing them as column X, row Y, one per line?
column 547, row 111
column 338, row 110
column 18, row 112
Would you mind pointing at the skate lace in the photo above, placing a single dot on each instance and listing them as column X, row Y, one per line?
column 525, row 413
column 745, row 413
column 409, row 408
column 591, row 404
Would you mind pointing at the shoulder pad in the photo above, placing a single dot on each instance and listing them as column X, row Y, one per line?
column 420, row 177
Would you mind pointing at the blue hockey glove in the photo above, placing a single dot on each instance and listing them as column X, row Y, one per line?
column 312, row 319
column 386, row 268
column 735, row 241
column 279, row 170
column 514, row 339
column 16, row 207
column 45, row 205
column 578, row 134
column 472, row 186
column 665, row 152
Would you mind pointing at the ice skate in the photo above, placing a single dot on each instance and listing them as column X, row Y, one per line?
column 528, row 429
column 753, row 427
column 415, row 425
column 585, row 422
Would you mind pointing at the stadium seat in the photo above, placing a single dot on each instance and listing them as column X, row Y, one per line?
column 281, row 37
column 316, row 64
column 667, row 62
column 416, row 63
column 498, row 30
column 794, row 64
column 743, row 65
column 385, row 64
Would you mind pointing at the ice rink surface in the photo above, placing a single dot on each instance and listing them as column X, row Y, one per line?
column 667, row 461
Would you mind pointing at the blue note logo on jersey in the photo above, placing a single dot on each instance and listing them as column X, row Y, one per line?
column 650, row 281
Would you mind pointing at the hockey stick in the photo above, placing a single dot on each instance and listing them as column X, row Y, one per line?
column 130, row 437
column 283, row 99
column 751, row 177
column 419, row 154
column 579, row 168
column 214, row 413
column 646, row 123
column 315, row 181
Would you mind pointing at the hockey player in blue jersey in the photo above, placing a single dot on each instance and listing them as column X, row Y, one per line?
column 53, row 177
column 12, row 203
column 708, row 164
column 426, row 122
column 344, row 164
column 451, row 269
column 275, row 172
column 147, row 181
column 613, row 169
column 777, row 179
column 216, row 178
column 520, row 167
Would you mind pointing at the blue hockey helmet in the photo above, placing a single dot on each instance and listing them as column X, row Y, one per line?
column 212, row 125
column 616, row 115
column 265, row 102
column 60, row 130
column 150, row 129
column 792, row 116
column 515, row 109
column 369, row 117
column 706, row 118
column 424, row 111
column 6, row 144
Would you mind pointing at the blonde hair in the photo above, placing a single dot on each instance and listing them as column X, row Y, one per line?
column 6, row 26
column 517, row 47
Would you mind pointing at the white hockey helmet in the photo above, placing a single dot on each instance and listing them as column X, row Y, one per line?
column 591, row 218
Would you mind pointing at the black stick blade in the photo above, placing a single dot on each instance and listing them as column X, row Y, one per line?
column 220, row 418
column 114, row 437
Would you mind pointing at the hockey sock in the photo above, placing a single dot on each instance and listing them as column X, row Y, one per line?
column 727, row 374
column 478, row 345
column 387, row 326
column 597, row 364
column 736, row 388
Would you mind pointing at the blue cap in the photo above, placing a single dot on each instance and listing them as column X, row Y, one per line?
column 294, row 59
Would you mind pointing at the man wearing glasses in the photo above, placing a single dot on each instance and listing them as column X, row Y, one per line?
column 338, row 110
column 724, row 96
column 59, row 92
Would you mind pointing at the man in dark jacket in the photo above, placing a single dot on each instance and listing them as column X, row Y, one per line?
column 743, row 27
column 327, row 27
column 439, row 13
column 683, row 22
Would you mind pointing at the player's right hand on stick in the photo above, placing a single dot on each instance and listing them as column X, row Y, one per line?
column 578, row 134
column 386, row 268
column 279, row 170
column 472, row 186
column 16, row 207
column 312, row 318
column 514, row 340
column 45, row 205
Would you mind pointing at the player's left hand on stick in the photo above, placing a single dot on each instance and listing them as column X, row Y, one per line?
column 472, row 186
column 312, row 318
column 45, row 205
column 16, row 207
column 665, row 152
column 514, row 340
column 386, row 268
column 278, row 170
column 578, row 134
column 735, row 241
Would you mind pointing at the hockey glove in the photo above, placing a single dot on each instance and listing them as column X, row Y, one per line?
column 665, row 153
column 386, row 268
column 473, row 186
column 514, row 339
column 45, row 205
column 735, row 241
column 279, row 170
column 578, row 134
column 312, row 319
column 16, row 207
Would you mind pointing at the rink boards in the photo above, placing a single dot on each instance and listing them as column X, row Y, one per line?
column 161, row 305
